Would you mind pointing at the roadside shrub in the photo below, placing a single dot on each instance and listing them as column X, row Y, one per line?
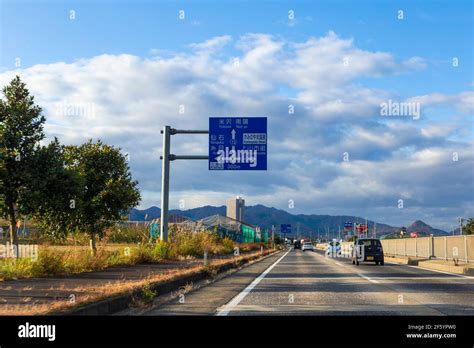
column 163, row 251
column 99, row 261
column 128, row 234
column 116, row 258
column 195, row 243
column 15, row 268
column 148, row 294
column 49, row 262
column 249, row 247
column 142, row 254
column 187, row 243
column 227, row 246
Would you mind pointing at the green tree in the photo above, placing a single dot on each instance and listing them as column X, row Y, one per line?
column 56, row 194
column 108, row 189
column 278, row 240
column 469, row 227
column 21, row 130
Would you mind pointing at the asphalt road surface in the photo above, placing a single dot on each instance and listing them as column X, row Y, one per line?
column 309, row 283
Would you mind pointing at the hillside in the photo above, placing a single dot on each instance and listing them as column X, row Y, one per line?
column 268, row 216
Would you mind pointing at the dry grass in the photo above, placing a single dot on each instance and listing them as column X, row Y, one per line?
column 87, row 295
column 73, row 259
column 60, row 260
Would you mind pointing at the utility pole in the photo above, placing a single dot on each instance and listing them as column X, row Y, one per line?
column 460, row 226
column 165, row 173
column 366, row 228
column 273, row 236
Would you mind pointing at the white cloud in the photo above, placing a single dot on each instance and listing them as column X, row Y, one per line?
column 125, row 100
column 463, row 101
column 212, row 45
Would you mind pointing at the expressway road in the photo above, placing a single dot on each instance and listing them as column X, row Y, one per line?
column 308, row 283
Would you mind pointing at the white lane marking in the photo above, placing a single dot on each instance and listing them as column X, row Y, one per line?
column 416, row 267
column 237, row 299
column 432, row 270
column 354, row 278
column 359, row 274
column 400, row 264
column 367, row 278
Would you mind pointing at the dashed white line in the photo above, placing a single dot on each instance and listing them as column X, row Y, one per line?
column 367, row 278
column 237, row 299
column 359, row 276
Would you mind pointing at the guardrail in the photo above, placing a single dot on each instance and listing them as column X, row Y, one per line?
column 444, row 248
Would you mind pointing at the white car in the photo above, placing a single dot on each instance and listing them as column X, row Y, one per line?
column 307, row 246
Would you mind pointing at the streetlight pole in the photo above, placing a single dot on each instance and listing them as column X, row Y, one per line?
column 273, row 236
column 366, row 228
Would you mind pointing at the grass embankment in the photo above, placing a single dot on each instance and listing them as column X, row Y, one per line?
column 142, row 287
column 65, row 260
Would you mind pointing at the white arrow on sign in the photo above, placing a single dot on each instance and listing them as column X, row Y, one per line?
column 233, row 138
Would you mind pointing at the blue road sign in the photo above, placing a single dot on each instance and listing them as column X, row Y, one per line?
column 285, row 228
column 237, row 143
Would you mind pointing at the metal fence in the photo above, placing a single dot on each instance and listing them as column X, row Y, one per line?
column 445, row 248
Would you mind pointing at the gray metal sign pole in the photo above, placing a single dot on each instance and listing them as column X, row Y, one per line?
column 165, row 183
column 165, row 172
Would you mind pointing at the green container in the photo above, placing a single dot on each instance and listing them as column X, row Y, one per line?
column 248, row 234
column 154, row 230
column 258, row 236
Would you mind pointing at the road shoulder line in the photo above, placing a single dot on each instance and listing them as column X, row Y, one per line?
column 227, row 308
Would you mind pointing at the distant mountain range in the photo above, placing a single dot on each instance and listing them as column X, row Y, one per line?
column 265, row 217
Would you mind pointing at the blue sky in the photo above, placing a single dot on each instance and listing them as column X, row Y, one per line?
column 125, row 46
column 436, row 30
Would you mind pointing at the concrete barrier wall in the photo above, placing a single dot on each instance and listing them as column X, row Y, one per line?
column 460, row 247
column 424, row 247
column 439, row 244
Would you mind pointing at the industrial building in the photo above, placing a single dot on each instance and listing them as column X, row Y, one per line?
column 236, row 208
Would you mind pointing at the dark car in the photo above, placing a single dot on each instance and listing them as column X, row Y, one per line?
column 367, row 250
column 297, row 244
